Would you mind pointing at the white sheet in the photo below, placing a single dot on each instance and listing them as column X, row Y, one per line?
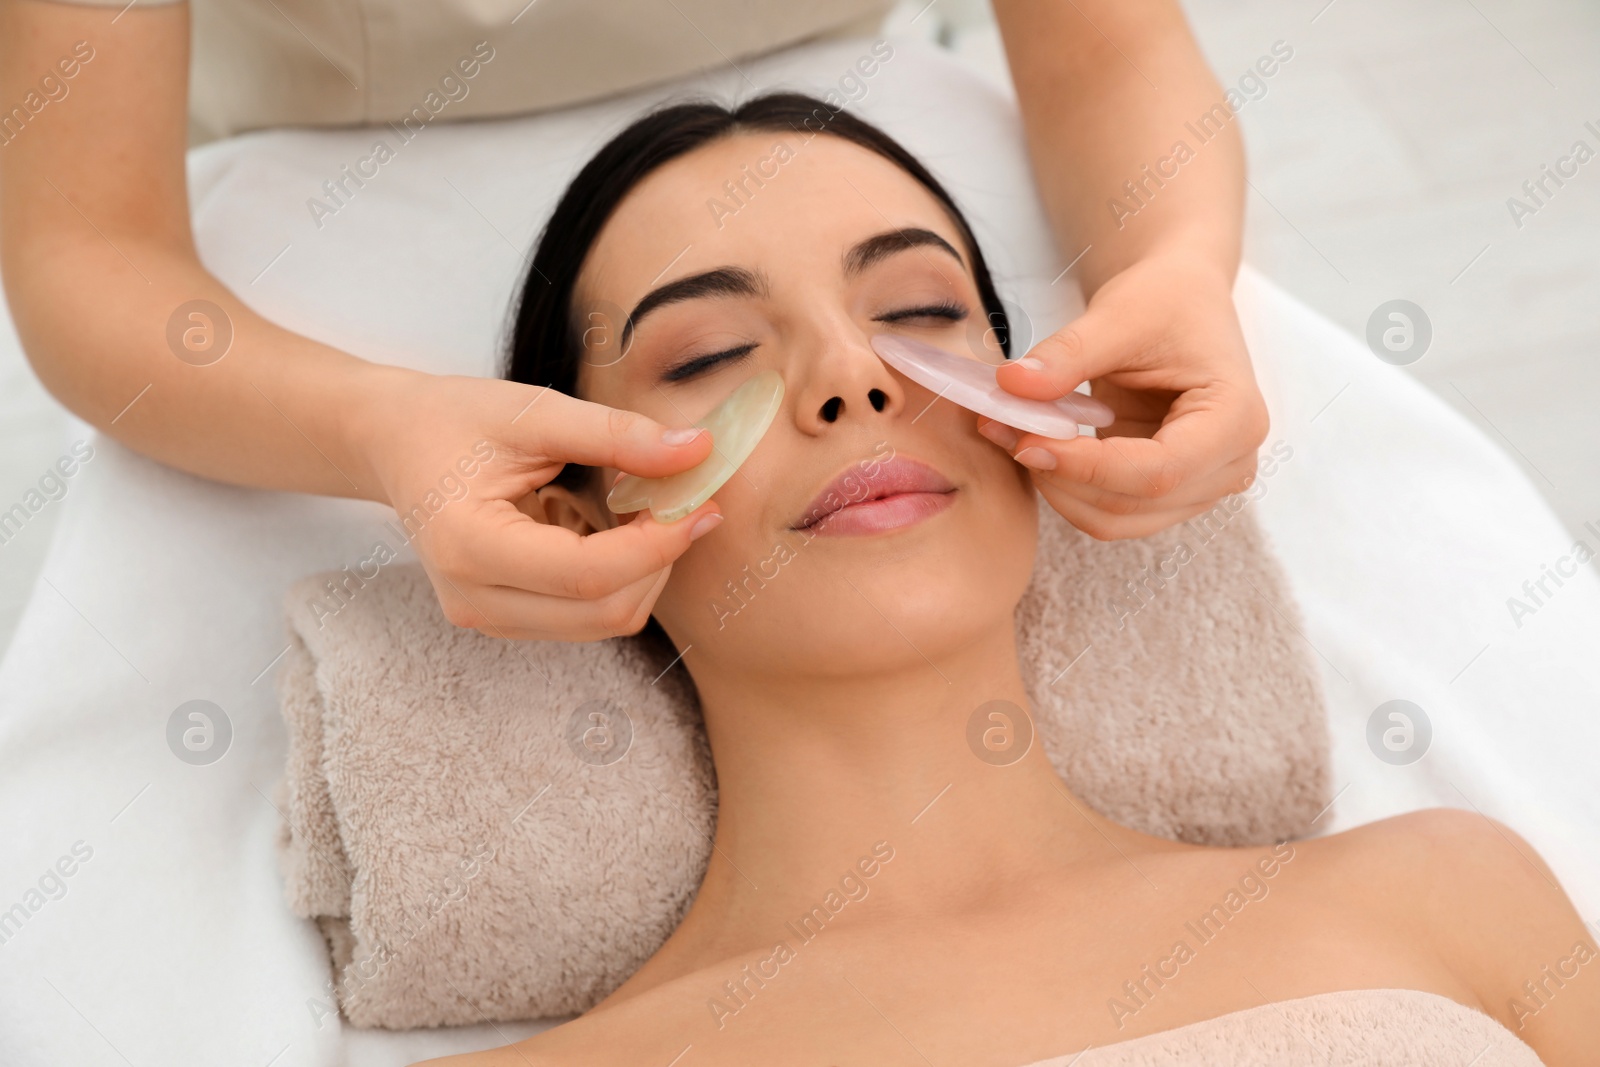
column 1403, row 528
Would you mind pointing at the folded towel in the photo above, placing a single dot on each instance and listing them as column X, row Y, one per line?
column 1371, row 1027
column 508, row 829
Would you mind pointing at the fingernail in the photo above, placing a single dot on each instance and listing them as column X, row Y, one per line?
column 1000, row 434
column 618, row 478
column 1036, row 457
column 704, row 525
column 1031, row 363
column 681, row 436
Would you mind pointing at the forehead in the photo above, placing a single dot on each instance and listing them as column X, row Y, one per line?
column 786, row 201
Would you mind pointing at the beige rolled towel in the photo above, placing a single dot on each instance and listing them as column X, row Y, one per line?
column 495, row 829
column 1369, row 1027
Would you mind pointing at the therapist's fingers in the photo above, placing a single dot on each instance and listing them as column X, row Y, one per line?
column 1107, row 516
column 504, row 570
column 1207, row 491
column 517, row 615
column 1045, row 462
column 564, row 429
column 1128, row 474
column 1097, row 343
column 1205, row 431
column 1106, row 527
column 507, row 548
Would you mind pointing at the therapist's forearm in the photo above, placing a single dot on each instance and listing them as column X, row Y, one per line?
column 278, row 411
column 1107, row 89
column 98, row 261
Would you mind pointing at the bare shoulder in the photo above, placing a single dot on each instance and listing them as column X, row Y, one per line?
column 1491, row 908
column 647, row 1027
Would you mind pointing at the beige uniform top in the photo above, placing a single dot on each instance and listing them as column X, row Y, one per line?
column 262, row 63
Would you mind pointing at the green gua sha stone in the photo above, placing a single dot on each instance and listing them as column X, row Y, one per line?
column 737, row 426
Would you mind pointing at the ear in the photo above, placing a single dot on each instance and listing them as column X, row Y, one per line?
column 580, row 512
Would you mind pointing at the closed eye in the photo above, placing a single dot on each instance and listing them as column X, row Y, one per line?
column 948, row 310
column 690, row 368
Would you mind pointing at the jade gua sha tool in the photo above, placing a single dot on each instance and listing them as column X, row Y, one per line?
column 737, row 426
column 972, row 384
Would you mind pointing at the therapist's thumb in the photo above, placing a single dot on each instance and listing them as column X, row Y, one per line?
column 1091, row 346
column 570, row 430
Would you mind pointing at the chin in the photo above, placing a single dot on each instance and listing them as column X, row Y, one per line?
column 854, row 599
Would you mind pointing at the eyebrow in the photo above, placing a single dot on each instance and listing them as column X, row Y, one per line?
column 739, row 281
column 723, row 281
column 882, row 245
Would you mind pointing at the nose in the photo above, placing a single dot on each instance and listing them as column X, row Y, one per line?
column 846, row 383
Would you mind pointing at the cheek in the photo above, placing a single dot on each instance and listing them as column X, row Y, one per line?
column 1005, row 515
column 1005, row 485
column 730, row 585
column 997, row 549
column 696, row 603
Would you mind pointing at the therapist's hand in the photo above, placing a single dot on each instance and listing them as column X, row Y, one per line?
column 1159, row 343
column 498, row 569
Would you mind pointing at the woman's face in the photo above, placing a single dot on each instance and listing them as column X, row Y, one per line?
column 834, row 245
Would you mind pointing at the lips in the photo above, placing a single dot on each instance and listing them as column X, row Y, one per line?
column 874, row 495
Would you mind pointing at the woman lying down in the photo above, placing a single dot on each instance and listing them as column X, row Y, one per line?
column 1007, row 923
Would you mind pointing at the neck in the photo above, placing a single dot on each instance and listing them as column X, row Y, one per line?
column 822, row 777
